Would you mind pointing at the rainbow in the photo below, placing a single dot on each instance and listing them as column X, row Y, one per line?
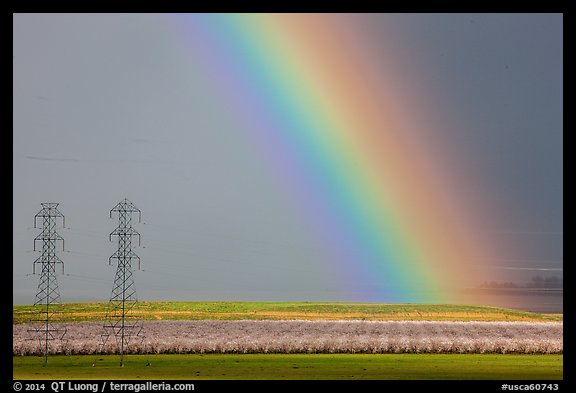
column 351, row 143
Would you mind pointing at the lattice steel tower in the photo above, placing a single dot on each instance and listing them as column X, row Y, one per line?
column 47, row 305
column 121, row 320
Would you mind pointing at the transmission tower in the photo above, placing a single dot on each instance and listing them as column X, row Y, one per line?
column 120, row 320
column 47, row 304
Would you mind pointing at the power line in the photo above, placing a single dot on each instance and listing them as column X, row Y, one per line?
column 120, row 320
column 46, row 305
column 559, row 269
column 84, row 278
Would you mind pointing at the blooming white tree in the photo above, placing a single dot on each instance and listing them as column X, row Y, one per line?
column 317, row 337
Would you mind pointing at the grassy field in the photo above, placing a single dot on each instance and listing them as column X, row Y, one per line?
column 295, row 366
column 86, row 312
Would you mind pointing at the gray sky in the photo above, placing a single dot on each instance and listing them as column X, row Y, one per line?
column 108, row 106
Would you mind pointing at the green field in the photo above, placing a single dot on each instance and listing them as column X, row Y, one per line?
column 295, row 366
column 85, row 312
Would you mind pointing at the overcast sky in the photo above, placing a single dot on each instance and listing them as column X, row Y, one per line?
column 108, row 106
